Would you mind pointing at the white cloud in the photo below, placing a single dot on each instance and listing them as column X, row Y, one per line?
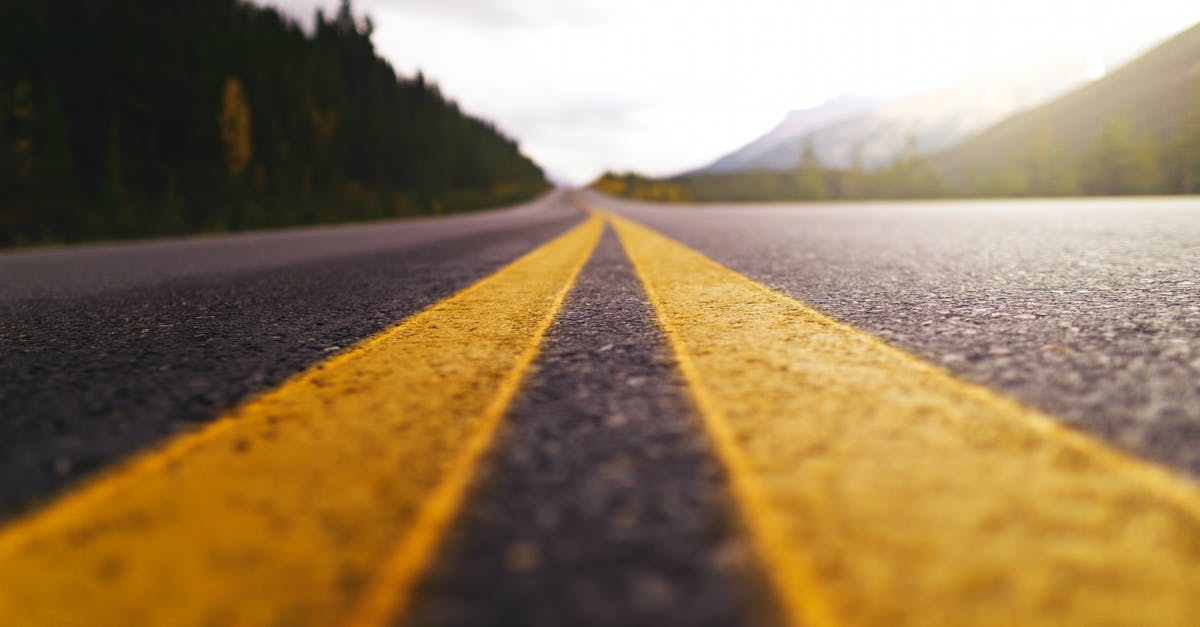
column 663, row 85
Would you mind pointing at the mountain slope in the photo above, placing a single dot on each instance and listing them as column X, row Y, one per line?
column 1152, row 98
column 934, row 119
column 765, row 152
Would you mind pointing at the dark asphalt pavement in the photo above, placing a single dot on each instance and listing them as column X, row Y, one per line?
column 107, row 349
column 1087, row 309
column 602, row 502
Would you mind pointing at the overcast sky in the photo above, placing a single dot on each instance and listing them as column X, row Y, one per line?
column 660, row 86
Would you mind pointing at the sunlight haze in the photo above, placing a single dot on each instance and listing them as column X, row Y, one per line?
column 661, row 87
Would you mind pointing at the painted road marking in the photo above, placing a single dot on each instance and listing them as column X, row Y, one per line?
column 882, row 491
column 314, row 504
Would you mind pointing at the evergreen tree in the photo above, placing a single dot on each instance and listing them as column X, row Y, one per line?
column 1182, row 155
column 122, row 119
column 1120, row 163
column 1047, row 171
column 810, row 176
column 853, row 180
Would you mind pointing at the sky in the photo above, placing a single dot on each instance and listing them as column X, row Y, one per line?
column 662, row 86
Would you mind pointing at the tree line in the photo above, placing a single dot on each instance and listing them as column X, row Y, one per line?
column 1118, row 161
column 909, row 175
column 129, row 119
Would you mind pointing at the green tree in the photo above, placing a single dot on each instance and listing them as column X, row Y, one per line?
column 23, row 112
column 809, row 180
column 1048, row 171
column 854, row 179
column 1120, row 163
column 137, row 105
column 57, row 184
column 116, row 217
column 909, row 175
column 1182, row 155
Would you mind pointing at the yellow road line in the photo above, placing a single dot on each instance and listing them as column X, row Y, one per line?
column 882, row 491
column 314, row 504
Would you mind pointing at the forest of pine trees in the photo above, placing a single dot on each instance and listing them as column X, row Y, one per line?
column 1117, row 162
column 130, row 119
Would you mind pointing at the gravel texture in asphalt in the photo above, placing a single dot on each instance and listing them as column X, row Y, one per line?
column 1088, row 309
column 164, row 336
column 601, row 502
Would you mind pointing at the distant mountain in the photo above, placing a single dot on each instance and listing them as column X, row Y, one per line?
column 879, row 131
column 1151, row 99
column 765, row 152
column 1134, row 132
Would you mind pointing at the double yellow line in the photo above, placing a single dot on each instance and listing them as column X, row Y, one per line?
column 314, row 504
column 880, row 490
column 877, row 489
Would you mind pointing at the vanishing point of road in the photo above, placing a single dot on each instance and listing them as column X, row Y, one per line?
column 593, row 411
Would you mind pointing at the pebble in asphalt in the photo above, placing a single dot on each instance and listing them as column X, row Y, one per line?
column 89, row 376
column 601, row 502
column 1088, row 309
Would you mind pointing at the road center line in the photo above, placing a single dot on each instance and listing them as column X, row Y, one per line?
column 601, row 501
column 316, row 503
column 880, row 490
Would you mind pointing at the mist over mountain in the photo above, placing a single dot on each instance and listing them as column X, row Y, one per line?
column 1134, row 131
column 1144, row 116
column 873, row 132
column 765, row 152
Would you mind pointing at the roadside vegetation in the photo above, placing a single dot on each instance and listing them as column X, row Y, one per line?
column 908, row 176
column 1118, row 162
column 132, row 119
column 1135, row 131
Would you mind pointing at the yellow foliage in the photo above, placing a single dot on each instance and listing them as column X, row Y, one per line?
column 633, row 186
column 324, row 125
column 235, row 127
column 22, row 102
column 21, row 143
column 610, row 184
column 504, row 190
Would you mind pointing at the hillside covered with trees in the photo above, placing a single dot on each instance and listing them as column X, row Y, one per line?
column 1136, row 131
column 129, row 119
column 909, row 175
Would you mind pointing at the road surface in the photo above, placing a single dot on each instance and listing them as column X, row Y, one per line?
column 566, row 413
column 1089, row 309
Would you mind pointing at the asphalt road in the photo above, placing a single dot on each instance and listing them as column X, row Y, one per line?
column 601, row 500
column 602, row 503
column 108, row 349
column 1087, row 309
